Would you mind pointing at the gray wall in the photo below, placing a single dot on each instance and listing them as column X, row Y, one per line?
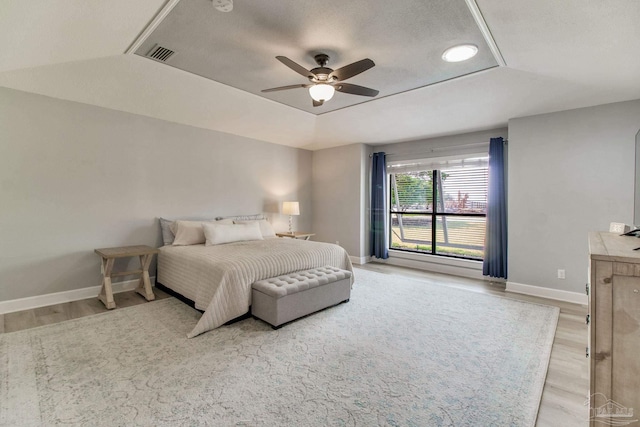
column 569, row 173
column 451, row 145
column 340, row 183
column 75, row 177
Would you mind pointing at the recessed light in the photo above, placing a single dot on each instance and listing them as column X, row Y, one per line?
column 459, row 53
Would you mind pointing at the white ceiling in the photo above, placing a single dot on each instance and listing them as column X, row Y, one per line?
column 559, row 55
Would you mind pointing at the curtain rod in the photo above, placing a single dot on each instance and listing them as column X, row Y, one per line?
column 435, row 149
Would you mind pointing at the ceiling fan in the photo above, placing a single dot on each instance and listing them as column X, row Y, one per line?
column 324, row 81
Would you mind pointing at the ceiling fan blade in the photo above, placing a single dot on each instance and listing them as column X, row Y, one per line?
column 317, row 103
column 295, row 67
column 351, row 70
column 355, row 89
column 273, row 89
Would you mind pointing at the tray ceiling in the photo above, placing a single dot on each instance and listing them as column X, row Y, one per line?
column 559, row 55
column 405, row 40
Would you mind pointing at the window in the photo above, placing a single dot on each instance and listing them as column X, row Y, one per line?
column 439, row 207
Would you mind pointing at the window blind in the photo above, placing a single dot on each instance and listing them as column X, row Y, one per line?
column 438, row 163
column 438, row 205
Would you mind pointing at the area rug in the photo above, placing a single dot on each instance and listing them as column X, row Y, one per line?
column 402, row 352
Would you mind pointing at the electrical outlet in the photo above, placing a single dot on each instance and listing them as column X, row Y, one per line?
column 338, row 242
column 561, row 274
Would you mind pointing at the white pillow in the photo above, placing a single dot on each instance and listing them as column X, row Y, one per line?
column 265, row 227
column 188, row 232
column 217, row 234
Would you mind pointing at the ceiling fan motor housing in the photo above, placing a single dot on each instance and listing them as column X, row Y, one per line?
column 322, row 72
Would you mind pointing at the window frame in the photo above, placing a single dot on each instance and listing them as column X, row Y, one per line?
column 434, row 214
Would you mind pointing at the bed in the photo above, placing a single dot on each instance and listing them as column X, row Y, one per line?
column 218, row 278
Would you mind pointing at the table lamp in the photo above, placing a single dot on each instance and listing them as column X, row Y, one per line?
column 291, row 208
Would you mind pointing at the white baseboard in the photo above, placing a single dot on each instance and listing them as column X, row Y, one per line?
column 62, row 297
column 556, row 294
column 360, row 260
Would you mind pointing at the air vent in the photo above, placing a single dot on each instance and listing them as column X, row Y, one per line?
column 160, row 53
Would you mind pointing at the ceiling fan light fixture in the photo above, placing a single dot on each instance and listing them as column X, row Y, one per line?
column 460, row 53
column 321, row 92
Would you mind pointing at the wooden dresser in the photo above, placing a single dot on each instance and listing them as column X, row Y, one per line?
column 614, row 328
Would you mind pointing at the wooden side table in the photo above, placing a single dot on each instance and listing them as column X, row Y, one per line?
column 296, row 235
column 109, row 255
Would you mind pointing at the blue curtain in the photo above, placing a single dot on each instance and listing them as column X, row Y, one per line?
column 495, row 248
column 379, row 247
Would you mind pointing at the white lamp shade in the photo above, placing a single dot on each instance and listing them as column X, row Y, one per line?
column 291, row 208
column 321, row 92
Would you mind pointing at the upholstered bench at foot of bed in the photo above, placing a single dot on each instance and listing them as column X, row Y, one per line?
column 285, row 298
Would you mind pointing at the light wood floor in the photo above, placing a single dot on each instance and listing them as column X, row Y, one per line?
column 565, row 390
column 27, row 319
